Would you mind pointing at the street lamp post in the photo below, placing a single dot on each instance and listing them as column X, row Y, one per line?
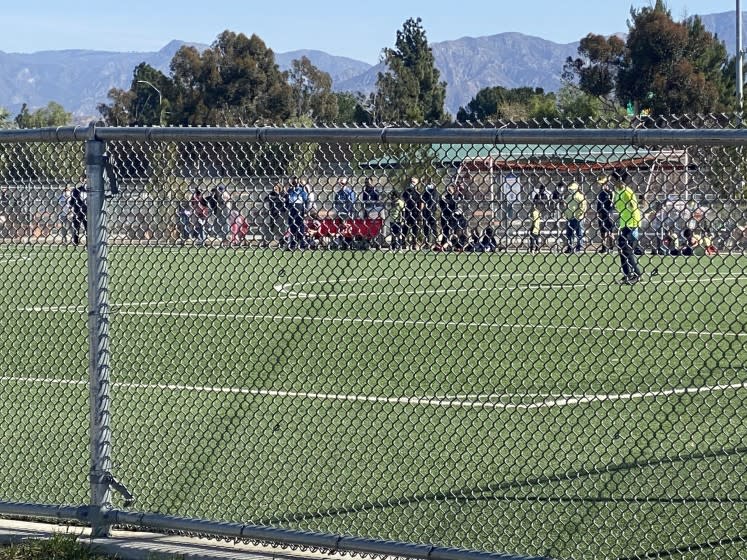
column 160, row 99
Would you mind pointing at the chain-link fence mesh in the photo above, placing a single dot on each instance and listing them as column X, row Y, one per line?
column 533, row 348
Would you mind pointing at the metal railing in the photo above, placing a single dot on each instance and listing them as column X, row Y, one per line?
column 434, row 343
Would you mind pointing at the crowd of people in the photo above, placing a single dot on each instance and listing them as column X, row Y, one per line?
column 420, row 216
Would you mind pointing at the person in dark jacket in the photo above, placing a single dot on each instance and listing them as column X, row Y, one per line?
column 412, row 213
column 274, row 216
column 429, row 199
column 449, row 217
column 605, row 215
column 79, row 208
column 370, row 199
column 297, row 203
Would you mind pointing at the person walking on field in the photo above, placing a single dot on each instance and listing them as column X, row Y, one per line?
column 626, row 204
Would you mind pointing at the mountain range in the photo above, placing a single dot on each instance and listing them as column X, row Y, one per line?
column 80, row 79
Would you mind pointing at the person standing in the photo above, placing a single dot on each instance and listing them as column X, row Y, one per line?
column 626, row 204
column 396, row 210
column 575, row 212
column 370, row 200
column 297, row 203
column 200, row 211
column 413, row 207
column 535, row 232
column 344, row 200
column 184, row 216
column 65, row 216
column 604, row 215
column 430, row 199
column 449, row 217
column 79, row 207
column 273, row 218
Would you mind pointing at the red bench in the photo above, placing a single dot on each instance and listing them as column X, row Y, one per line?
column 350, row 231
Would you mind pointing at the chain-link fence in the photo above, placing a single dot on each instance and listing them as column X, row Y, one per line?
column 520, row 340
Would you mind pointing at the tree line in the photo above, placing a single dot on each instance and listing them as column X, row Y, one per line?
column 663, row 67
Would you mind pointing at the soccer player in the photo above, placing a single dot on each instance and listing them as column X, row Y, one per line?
column 626, row 204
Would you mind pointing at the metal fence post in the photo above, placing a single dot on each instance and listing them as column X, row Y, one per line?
column 98, row 339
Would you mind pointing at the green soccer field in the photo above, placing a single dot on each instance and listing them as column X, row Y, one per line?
column 508, row 402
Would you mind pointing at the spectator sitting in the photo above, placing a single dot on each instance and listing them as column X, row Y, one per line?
column 313, row 229
column 239, row 228
column 708, row 246
column 671, row 243
column 692, row 242
column 488, row 242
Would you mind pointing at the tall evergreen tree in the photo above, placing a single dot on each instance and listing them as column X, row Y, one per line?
column 146, row 103
column 235, row 81
column 664, row 67
column 410, row 90
column 672, row 68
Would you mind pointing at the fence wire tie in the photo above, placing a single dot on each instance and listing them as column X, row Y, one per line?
column 111, row 481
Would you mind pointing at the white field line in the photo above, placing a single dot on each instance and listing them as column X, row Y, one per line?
column 286, row 288
column 409, row 401
column 535, row 327
column 278, row 288
column 283, row 289
column 8, row 259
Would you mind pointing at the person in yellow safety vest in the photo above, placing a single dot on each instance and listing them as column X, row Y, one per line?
column 535, row 239
column 575, row 212
column 629, row 215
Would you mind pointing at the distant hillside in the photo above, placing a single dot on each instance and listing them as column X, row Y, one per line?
column 80, row 79
column 724, row 25
column 469, row 64
column 339, row 68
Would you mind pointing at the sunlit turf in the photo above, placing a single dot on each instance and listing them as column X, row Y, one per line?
column 508, row 402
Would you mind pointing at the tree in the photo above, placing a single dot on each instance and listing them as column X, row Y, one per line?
column 664, row 67
column 673, row 68
column 235, row 81
column 410, row 90
column 53, row 114
column 350, row 108
column 146, row 103
column 499, row 103
column 312, row 91
column 573, row 103
column 594, row 71
column 5, row 121
column 118, row 113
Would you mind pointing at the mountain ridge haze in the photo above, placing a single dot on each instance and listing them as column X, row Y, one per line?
column 80, row 79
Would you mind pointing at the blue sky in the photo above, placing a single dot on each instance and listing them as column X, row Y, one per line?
column 347, row 28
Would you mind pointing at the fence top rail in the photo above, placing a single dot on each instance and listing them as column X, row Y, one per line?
column 495, row 136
